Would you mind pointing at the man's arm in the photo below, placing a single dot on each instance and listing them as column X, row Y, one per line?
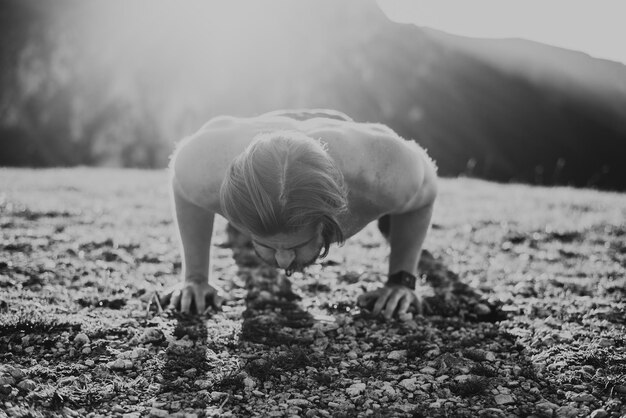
column 408, row 232
column 407, row 235
column 195, row 227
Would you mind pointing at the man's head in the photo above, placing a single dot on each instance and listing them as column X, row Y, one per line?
column 288, row 193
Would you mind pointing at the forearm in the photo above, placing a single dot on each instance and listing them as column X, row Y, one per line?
column 407, row 235
column 195, row 228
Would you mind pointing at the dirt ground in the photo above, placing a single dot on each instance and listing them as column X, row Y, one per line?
column 525, row 287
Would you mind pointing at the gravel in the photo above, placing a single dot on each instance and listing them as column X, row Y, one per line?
column 526, row 314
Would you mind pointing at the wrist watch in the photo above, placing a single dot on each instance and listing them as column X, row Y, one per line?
column 402, row 278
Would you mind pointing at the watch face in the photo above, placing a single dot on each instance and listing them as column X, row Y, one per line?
column 402, row 278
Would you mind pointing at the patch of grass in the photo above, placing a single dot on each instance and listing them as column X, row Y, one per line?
column 294, row 359
column 323, row 378
column 268, row 333
column 102, row 303
column 472, row 354
column 528, row 370
column 368, row 370
column 339, row 307
column 484, row 370
column 471, row 387
column 195, row 330
column 34, row 324
column 317, row 287
column 416, row 349
column 232, row 383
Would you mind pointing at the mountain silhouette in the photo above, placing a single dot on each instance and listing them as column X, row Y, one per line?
column 504, row 110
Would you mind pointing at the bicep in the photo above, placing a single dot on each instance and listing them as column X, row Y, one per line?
column 415, row 177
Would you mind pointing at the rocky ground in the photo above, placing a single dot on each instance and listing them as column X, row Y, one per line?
column 525, row 288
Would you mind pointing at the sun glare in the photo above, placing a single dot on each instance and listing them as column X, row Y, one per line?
column 193, row 36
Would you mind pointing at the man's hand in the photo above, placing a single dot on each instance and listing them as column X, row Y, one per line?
column 389, row 298
column 192, row 294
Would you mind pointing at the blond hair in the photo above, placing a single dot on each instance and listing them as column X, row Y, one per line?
column 283, row 182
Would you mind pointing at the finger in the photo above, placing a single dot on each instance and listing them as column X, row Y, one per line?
column 185, row 303
column 419, row 305
column 198, row 298
column 405, row 304
column 217, row 301
column 392, row 303
column 174, row 300
column 165, row 299
column 381, row 301
column 365, row 299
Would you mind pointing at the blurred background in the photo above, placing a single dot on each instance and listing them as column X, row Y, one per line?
column 118, row 82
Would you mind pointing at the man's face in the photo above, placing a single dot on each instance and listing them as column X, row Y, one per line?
column 292, row 252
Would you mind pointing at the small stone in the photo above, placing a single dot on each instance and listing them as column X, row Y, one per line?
column 81, row 339
column 605, row 342
column 7, row 380
column 258, row 393
column 491, row 413
column 118, row 409
column 481, row 309
column 68, row 412
column 546, row 408
column 190, row 373
column 352, row 355
column 15, row 372
column 546, row 405
column 405, row 317
column 118, row 364
column 298, row 402
column 397, row 355
column 503, row 399
column 583, row 397
column 152, row 335
column 27, row 385
column 249, row 383
column 5, row 389
column 388, row 389
column 139, row 352
column 355, row 389
column 156, row 412
column 428, row 370
column 89, row 363
column 86, row 350
column 215, row 395
column 566, row 412
column 599, row 413
column 462, row 378
column 409, row 384
column 489, row 356
column 175, row 406
column 588, row 369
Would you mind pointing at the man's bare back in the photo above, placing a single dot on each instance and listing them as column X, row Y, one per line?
column 383, row 174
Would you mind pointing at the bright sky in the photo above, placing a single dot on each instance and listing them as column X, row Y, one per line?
column 597, row 27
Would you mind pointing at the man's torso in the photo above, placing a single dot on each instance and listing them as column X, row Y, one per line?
column 384, row 173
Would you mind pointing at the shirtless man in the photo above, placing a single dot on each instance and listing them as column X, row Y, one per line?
column 295, row 182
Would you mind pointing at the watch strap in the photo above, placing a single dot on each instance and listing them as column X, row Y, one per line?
column 402, row 278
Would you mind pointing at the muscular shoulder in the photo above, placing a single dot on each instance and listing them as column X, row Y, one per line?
column 395, row 174
column 199, row 163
